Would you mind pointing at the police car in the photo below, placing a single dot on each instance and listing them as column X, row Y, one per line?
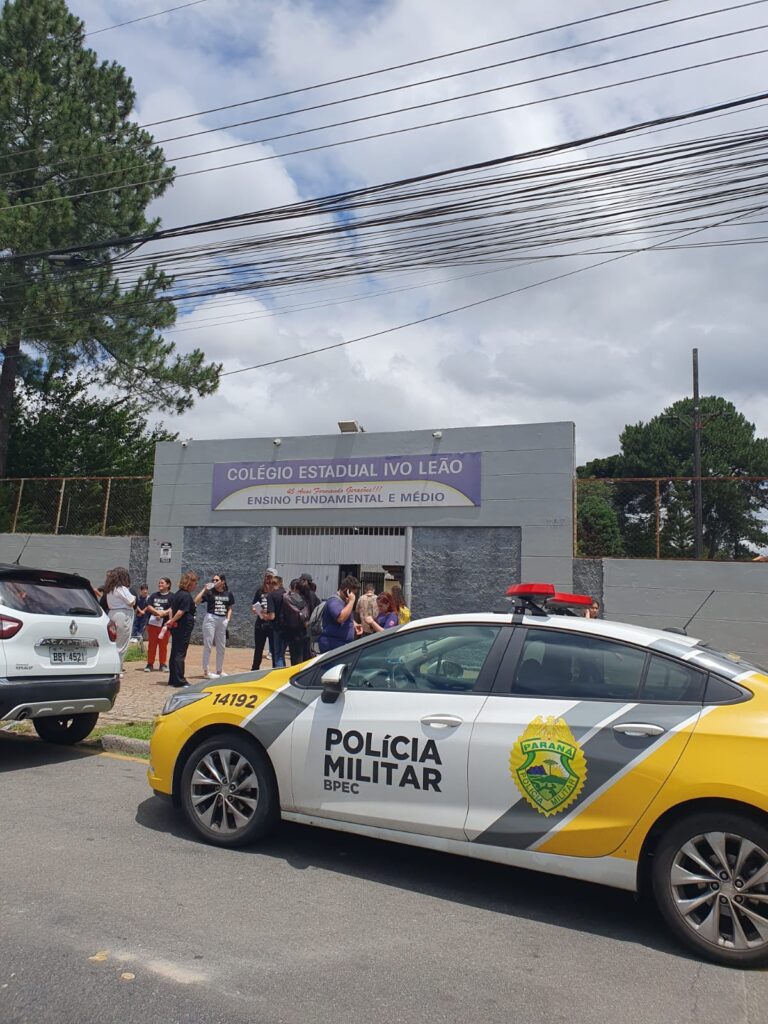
column 597, row 750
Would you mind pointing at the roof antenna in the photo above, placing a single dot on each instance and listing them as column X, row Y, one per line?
column 710, row 594
column 18, row 559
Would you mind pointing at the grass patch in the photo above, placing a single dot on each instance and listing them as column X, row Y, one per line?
column 135, row 653
column 134, row 730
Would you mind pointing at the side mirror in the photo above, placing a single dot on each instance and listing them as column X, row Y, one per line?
column 332, row 682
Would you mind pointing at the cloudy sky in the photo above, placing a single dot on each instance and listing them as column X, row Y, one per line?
column 604, row 348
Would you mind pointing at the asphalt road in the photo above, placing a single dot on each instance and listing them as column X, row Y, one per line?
column 312, row 927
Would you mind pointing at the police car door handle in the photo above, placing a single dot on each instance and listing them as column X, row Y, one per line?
column 638, row 729
column 442, row 721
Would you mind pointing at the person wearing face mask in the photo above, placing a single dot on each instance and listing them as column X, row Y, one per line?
column 219, row 602
column 159, row 609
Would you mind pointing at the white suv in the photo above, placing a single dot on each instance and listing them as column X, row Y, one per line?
column 59, row 664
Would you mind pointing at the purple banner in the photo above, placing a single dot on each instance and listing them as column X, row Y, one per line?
column 385, row 481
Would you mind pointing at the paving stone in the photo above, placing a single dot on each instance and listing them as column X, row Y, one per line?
column 142, row 694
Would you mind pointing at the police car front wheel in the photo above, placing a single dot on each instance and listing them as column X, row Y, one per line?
column 710, row 879
column 228, row 790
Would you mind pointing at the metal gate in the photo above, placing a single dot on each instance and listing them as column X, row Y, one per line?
column 322, row 550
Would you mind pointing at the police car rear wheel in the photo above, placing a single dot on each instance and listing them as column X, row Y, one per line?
column 710, row 880
column 228, row 791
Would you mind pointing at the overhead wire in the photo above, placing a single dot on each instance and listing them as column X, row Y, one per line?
column 429, row 81
column 400, row 110
column 374, row 249
column 397, row 131
column 456, row 309
column 410, row 64
column 146, row 17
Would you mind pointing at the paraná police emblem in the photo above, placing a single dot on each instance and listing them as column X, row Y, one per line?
column 548, row 765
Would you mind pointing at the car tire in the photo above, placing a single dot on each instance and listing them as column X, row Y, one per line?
column 705, row 870
column 65, row 730
column 228, row 791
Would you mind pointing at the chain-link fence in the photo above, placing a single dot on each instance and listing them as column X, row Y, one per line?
column 114, row 506
column 653, row 517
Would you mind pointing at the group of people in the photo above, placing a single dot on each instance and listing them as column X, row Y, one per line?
column 298, row 621
column 169, row 617
column 282, row 618
column 294, row 621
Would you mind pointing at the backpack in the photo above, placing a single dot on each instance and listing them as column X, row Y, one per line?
column 295, row 613
column 316, row 622
column 404, row 615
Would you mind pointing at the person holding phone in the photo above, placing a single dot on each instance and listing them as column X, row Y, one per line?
column 339, row 626
column 219, row 602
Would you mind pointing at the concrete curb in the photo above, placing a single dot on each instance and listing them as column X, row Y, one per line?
column 124, row 745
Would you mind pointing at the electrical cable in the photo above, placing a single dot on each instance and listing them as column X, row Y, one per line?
column 409, row 64
column 455, row 309
column 388, row 113
column 146, row 17
column 397, row 131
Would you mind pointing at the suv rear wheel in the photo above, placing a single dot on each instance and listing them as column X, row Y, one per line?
column 67, row 729
column 710, row 880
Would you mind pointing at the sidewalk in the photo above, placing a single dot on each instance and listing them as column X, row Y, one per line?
column 142, row 694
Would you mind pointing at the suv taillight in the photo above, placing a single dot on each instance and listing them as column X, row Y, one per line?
column 9, row 627
column 112, row 630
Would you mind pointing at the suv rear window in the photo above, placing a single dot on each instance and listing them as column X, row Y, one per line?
column 42, row 598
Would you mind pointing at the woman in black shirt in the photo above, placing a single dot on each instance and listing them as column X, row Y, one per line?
column 181, row 623
column 262, row 630
column 219, row 602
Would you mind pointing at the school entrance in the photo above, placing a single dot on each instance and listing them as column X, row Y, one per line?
column 375, row 554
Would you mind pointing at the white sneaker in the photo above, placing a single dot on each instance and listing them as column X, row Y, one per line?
column 210, row 675
column 223, row 673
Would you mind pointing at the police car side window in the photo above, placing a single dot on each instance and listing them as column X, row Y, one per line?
column 446, row 659
column 581, row 667
column 669, row 680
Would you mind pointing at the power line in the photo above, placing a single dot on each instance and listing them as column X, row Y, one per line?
column 666, row 202
column 411, row 85
column 391, row 132
column 408, row 64
column 492, row 67
column 465, row 306
column 146, row 17
column 355, row 196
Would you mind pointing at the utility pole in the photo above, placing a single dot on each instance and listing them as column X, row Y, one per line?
column 698, row 516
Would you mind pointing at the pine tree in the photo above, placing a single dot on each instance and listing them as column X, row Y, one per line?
column 63, row 115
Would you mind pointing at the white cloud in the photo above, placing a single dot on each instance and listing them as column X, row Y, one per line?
column 607, row 347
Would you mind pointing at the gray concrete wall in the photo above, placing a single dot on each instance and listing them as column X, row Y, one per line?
column 462, row 569
column 241, row 554
column 727, row 601
column 527, row 479
column 88, row 556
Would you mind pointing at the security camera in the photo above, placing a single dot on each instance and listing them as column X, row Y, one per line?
column 277, row 442
column 437, row 434
column 184, row 444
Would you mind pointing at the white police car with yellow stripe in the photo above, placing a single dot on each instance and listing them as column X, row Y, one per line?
column 598, row 750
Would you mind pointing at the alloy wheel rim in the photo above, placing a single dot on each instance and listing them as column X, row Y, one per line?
column 224, row 791
column 719, row 883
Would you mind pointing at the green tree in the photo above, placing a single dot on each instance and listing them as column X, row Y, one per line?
column 733, row 512
column 598, row 530
column 59, row 427
column 64, row 114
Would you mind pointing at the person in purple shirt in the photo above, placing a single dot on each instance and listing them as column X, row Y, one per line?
column 339, row 627
column 387, row 617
